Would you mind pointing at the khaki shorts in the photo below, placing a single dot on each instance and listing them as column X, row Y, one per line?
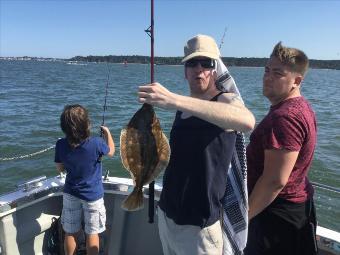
column 188, row 239
column 74, row 209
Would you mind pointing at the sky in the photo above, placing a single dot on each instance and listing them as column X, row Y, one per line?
column 68, row 28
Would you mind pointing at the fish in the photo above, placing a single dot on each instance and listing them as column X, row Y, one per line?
column 144, row 151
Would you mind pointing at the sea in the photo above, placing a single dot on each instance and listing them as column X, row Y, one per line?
column 34, row 93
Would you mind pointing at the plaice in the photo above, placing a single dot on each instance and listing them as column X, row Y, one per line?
column 144, row 151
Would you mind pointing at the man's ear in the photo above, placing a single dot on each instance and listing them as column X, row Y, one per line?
column 215, row 74
column 298, row 80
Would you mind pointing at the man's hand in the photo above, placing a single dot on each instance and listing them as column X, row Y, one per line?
column 157, row 95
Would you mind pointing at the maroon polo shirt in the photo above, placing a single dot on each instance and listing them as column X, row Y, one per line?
column 289, row 125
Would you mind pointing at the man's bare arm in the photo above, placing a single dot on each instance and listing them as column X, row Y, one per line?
column 278, row 165
column 227, row 113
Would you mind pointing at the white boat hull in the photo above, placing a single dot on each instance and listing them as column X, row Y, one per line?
column 26, row 216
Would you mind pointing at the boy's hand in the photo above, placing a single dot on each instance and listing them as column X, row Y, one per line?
column 104, row 129
column 60, row 167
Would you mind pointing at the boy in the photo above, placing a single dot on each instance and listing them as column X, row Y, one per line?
column 79, row 154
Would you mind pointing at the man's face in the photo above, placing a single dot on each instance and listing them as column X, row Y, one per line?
column 279, row 82
column 200, row 74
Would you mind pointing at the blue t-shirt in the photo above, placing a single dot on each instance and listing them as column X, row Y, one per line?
column 83, row 167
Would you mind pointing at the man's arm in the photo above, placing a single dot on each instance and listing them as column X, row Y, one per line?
column 278, row 165
column 227, row 113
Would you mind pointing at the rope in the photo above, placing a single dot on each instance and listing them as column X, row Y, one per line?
column 28, row 155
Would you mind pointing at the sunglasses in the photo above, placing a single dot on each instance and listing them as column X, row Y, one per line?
column 204, row 62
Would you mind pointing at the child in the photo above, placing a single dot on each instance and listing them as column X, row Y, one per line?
column 79, row 154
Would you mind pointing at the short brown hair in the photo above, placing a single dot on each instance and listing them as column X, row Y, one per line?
column 75, row 123
column 295, row 59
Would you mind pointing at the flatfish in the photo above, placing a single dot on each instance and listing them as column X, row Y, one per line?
column 145, row 152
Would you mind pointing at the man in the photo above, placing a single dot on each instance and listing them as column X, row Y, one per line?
column 279, row 156
column 201, row 140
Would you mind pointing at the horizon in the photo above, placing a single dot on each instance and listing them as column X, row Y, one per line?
column 1, row 57
column 66, row 29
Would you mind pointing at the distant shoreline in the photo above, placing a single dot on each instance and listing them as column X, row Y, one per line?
column 230, row 61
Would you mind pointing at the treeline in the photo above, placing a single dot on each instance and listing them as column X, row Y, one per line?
column 230, row 61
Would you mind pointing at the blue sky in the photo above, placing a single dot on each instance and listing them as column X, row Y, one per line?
column 66, row 28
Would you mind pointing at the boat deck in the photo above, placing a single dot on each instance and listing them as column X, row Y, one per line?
column 26, row 216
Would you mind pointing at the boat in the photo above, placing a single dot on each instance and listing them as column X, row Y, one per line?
column 28, row 212
column 78, row 63
column 26, row 215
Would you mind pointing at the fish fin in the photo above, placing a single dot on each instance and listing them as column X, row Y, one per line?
column 165, row 150
column 164, row 156
column 134, row 201
column 123, row 149
column 133, row 178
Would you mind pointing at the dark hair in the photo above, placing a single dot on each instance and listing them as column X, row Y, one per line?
column 295, row 59
column 75, row 123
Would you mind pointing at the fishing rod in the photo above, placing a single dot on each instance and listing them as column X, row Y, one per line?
column 150, row 32
column 222, row 40
column 104, row 106
column 104, row 110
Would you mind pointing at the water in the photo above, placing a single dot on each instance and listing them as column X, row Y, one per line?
column 33, row 94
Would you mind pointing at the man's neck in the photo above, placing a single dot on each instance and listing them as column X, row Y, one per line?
column 295, row 93
column 207, row 95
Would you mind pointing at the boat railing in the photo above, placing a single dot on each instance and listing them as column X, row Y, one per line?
column 328, row 240
column 32, row 183
column 325, row 187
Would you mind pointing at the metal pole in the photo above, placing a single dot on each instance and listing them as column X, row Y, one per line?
column 152, row 184
column 152, row 43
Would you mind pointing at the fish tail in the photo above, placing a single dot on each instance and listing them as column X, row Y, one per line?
column 134, row 201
